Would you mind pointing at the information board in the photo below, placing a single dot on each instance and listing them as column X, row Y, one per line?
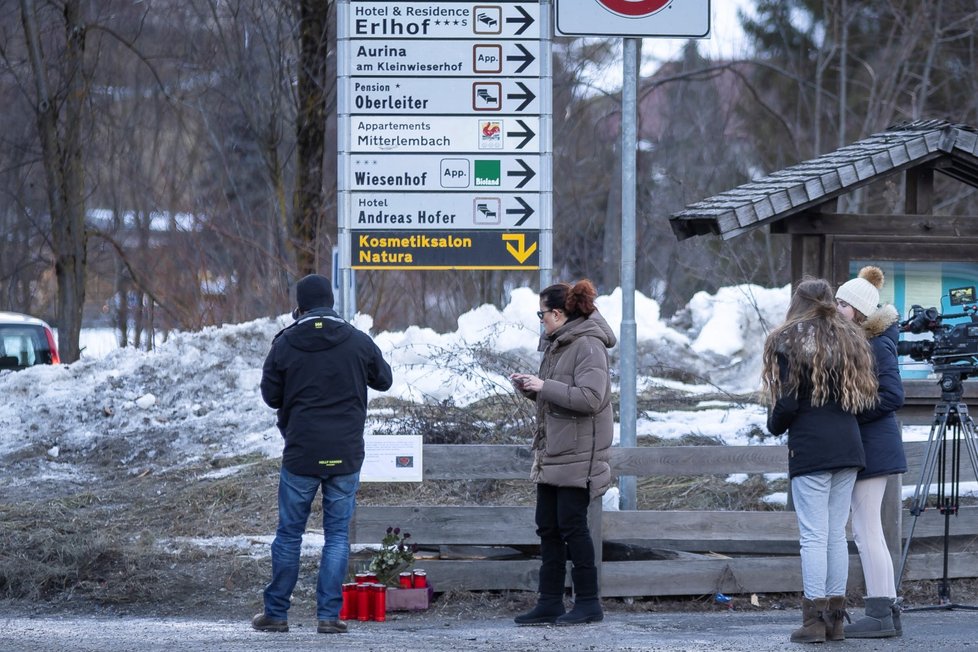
column 392, row 458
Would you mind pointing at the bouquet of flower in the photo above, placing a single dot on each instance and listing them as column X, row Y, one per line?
column 394, row 555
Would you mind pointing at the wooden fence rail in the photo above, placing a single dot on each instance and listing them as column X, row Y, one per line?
column 744, row 552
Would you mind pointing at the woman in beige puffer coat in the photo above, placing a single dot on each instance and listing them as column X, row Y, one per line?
column 571, row 446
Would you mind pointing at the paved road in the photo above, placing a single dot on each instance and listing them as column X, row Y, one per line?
column 955, row 630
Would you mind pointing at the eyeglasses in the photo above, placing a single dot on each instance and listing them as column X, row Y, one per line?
column 541, row 313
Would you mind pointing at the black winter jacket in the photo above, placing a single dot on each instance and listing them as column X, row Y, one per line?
column 823, row 438
column 879, row 428
column 316, row 375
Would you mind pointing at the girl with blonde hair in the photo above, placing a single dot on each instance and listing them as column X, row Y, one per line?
column 817, row 375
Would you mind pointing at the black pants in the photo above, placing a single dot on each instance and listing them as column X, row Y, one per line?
column 561, row 518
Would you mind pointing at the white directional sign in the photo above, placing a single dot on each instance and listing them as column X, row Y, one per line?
column 444, row 134
column 444, row 121
column 445, row 58
column 672, row 18
column 444, row 20
column 455, row 95
column 445, row 172
column 479, row 211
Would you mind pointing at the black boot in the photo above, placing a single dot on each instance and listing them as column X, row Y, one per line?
column 586, row 610
column 553, row 572
column 549, row 608
column 587, row 605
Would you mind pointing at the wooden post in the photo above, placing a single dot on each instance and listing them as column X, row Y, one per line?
column 594, row 522
column 892, row 518
column 919, row 197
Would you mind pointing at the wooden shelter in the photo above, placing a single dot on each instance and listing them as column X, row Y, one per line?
column 803, row 202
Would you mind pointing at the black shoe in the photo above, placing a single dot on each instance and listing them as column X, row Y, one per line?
column 332, row 627
column 264, row 623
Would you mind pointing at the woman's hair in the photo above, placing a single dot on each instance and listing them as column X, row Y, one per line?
column 825, row 352
column 575, row 300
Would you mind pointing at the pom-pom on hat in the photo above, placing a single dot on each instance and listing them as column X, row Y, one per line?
column 863, row 292
column 314, row 291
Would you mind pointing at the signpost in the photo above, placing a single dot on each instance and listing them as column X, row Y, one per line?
column 444, row 135
column 662, row 18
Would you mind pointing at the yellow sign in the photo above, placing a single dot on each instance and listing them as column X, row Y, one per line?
column 430, row 250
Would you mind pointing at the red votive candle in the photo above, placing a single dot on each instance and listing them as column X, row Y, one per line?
column 420, row 579
column 363, row 602
column 348, row 611
column 379, row 602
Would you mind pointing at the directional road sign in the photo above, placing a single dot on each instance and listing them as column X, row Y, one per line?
column 444, row 130
column 445, row 172
column 444, row 58
column 481, row 211
column 454, row 95
column 444, row 134
column 444, row 20
column 446, row 250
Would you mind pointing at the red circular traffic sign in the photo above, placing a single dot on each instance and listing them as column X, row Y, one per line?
column 634, row 8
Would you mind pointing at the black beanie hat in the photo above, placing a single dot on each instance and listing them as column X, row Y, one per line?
column 314, row 291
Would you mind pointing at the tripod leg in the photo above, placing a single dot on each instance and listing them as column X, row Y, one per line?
column 935, row 440
column 968, row 431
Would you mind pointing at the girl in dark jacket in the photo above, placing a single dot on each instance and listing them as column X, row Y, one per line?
column 571, row 455
column 858, row 300
column 818, row 374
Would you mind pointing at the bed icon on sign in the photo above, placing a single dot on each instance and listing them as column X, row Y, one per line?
column 488, row 20
column 487, row 96
column 486, row 211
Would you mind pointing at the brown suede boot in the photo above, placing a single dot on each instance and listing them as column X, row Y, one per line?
column 834, row 614
column 812, row 629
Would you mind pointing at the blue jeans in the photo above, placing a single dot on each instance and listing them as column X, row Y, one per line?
column 295, row 496
column 822, row 503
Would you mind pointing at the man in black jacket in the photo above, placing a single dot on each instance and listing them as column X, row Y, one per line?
column 316, row 375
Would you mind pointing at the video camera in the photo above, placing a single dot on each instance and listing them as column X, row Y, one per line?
column 954, row 347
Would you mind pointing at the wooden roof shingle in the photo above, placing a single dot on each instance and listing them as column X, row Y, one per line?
column 816, row 181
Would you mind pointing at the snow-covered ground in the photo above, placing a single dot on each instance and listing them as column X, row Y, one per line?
column 196, row 396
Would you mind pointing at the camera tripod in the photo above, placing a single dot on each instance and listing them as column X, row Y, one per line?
column 952, row 429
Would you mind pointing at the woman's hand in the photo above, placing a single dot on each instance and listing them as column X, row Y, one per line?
column 527, row 382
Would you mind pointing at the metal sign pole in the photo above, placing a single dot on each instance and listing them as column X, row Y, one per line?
column 627, row 345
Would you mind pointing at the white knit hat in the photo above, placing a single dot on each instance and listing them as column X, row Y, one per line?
column 862, row 292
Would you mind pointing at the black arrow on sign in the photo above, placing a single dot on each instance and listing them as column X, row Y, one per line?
column 527, row 134
column 527, row 173
column 525, row 210
column 525, row 20
column 527, row 96
column 526, row 57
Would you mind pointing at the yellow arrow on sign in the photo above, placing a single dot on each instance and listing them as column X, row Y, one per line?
column 519, row 252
